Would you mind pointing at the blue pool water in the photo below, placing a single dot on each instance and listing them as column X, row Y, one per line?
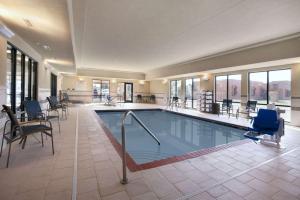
column 178, row 134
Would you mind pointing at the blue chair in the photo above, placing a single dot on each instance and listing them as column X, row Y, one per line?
column 266, row 122
column 34, row 112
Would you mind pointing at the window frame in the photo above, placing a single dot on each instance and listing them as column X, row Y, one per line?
column 100, row 81
column 192, row 94
column 176, row 86
column 227, row 87
column 32, row 92
column 267, row 71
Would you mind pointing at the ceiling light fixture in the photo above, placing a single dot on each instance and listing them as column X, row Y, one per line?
column 46, row 47
column 6, row 32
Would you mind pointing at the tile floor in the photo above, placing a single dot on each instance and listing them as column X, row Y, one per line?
column 93, row 169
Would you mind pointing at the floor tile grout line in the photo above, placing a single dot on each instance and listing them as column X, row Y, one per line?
column 239, row 174
column 74, row 182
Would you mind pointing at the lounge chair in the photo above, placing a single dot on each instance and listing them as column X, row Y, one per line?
column 266, row 127
column 34, row 112
column 54, row 105
column 227, row 106
column 139, row 98
column 109, row 101
column 21, row 130
column 250, row 108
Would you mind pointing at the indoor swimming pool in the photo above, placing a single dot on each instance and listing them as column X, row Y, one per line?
column 179, row 134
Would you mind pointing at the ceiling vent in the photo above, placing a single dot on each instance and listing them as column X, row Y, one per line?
column 6, row 32
column 27, row 22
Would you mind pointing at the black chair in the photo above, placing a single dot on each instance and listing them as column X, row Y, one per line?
column 152, row 99
column 34, row 112
column 54, row 105
column 20, row 131
column 250, row 108
column 226, row 106
column 175, row 101
column 139, row 98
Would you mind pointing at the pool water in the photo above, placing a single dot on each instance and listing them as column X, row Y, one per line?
column 177, row 133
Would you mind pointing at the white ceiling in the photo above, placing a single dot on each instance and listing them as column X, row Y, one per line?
column 140, row 35
column 50, row 26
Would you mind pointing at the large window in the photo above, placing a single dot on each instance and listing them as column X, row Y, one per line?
column 192, row 88
column 271, row 87
column 100, row 90
column 175, row 88
column 228, row 87
column 280, row 87
column 21, row 78
column 258, row 87
column 234, row 87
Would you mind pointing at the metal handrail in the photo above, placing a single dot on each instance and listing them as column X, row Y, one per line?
column 129, row 112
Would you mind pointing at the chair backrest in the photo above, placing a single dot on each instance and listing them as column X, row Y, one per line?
column 227, row 103
column 33, row 109
column 251, row 105
column 52, row 101
column 152, row 97
column 175, row 99
column 11, row 115
column 266, row 119
column 139, row 96
column 65, row 96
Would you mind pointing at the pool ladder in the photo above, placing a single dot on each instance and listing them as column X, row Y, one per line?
column 127, row 113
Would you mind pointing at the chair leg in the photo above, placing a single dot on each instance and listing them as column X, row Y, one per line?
column 52, row 142
column 24, row 142
column 8, row 156
column 58, row 121
column 1, row 145
column 42, row 139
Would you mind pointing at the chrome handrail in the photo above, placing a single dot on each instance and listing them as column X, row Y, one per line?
column 129, row 112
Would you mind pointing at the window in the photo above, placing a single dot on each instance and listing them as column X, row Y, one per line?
column 21, row 78
column 280, row 87
column 100, row 90
column 234, row 87
column 258, row 87
column 228, row 87
column 175, row 90
column 271, row 87
column 8, row 75
column 192, row 88
column 189, row 92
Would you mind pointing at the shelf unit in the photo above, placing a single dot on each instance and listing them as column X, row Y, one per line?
column 206, row 101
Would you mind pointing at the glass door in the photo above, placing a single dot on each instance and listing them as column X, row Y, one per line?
column 128, row 92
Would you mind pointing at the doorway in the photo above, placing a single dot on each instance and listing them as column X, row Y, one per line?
column 53, row 83
column 128, row 92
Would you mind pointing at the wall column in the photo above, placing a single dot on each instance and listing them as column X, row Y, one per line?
column 244, row 88
column 295, row 107
column 3, row 46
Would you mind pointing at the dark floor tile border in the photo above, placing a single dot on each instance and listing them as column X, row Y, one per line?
column 133, row 166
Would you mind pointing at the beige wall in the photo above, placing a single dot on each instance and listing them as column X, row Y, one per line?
column 84, row 85
column 2, row 78
column 295, row 115
column 268, row 52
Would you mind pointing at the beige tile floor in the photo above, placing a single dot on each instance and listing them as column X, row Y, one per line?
column 93, row 169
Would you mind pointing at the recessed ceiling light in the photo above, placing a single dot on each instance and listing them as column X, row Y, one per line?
column 46, row 47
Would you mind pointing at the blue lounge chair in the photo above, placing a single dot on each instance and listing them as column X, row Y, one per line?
column 266, row 122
